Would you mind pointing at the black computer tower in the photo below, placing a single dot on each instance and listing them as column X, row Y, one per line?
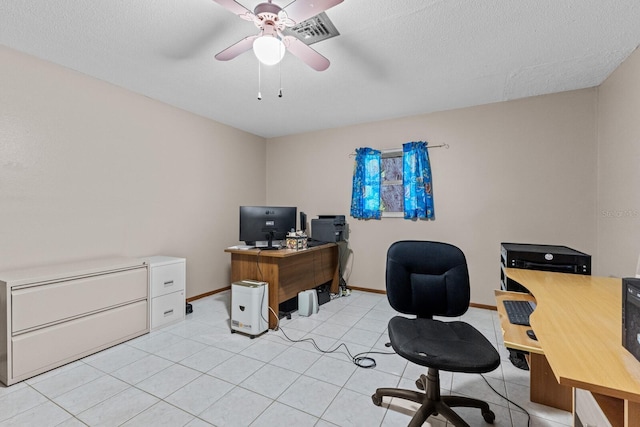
column 559, row 259
column 631, row 316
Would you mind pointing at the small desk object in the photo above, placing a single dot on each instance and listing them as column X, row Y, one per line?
column 287, row 271
column 578, row 323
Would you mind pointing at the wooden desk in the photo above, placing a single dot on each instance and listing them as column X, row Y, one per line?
column 544, row 388
column 287, row 271
column 578, row 322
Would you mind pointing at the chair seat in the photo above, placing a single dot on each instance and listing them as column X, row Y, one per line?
column 448, row 346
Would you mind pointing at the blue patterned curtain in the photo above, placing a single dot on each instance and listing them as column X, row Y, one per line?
column 416, row 171
column 365, row 197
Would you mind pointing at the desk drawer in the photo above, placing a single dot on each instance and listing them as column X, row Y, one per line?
column 40, row 305
column 167, row 309
column 40, row 350
column 166, row 279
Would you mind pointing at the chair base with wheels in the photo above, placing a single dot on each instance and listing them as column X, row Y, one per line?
column 432, row 403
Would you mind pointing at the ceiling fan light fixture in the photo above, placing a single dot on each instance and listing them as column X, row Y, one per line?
column 269, row 49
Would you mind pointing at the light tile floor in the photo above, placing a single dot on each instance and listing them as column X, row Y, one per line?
column 196, row 373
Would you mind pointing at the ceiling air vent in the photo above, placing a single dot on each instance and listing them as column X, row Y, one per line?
column 314, row 30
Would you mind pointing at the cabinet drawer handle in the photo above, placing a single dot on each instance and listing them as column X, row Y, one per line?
column 169, row 283
column 168, row 313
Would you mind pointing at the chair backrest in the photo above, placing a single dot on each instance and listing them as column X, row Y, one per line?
column 427, row 279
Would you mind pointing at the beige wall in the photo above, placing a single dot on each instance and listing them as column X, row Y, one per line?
column 619, row 170
column 519, row 171
column 88, row 170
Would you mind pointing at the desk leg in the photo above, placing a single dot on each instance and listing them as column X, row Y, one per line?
column 335, row 280
column 631, row 414
column 544, row 386
column 271, row 273
column 274, row 305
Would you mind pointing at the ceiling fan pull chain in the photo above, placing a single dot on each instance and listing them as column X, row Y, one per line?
column 259, row 83
column 280, row 73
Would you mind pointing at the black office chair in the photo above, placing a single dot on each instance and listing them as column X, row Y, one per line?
column 429, row 279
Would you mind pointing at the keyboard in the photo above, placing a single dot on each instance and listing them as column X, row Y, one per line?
column 519, row 311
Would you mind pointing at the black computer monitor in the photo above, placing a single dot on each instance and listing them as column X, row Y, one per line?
column 261, row 225
column 303, row 222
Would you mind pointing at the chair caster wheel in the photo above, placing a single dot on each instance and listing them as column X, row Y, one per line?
column 489, row 416
column 376, row 400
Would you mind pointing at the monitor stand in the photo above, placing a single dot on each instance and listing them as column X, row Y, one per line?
column 269, row 248
column 267, row 245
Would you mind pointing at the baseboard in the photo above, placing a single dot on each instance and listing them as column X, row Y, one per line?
column 354, row 288
column 374, row 291
column 485, row 306
column 207, row 294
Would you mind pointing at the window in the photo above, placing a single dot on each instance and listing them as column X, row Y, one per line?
column 391, row 187
column 396, row 183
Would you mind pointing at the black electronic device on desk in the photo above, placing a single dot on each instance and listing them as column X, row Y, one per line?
column 311, row 243
column 328, row 228
column 631, row 315
column 519, row 311
column 266, row 226
column 555, row 258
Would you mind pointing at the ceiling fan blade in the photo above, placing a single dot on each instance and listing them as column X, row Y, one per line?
column 236, row 49
column 305, row 53
column 301, row 10
column 237, row 8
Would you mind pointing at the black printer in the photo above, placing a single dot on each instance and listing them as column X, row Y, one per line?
column 328, row 228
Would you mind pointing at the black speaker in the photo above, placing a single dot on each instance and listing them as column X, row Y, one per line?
column 631, row 315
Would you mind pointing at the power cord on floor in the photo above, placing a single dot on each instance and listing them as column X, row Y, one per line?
column 508, row 400
column 367, row 362
column 360, row 360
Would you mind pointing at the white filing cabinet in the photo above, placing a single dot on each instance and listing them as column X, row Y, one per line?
column 167, row 278
column 55, row 314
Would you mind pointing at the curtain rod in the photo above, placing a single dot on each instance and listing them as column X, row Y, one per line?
column 386, row 150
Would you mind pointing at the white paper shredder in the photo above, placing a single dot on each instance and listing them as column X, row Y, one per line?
column 249, row 307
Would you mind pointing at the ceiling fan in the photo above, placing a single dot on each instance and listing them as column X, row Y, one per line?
column 270, row 43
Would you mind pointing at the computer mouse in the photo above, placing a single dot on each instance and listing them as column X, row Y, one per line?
column 532, row 334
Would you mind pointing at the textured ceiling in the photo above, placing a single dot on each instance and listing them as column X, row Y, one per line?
column 393, row 58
